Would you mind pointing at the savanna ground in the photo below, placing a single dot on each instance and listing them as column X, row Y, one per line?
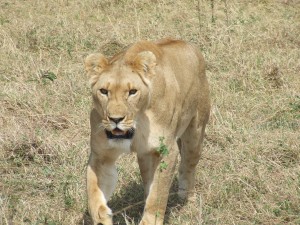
column 249, row 172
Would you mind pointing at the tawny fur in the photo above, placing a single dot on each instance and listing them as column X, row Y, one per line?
column 171, row 101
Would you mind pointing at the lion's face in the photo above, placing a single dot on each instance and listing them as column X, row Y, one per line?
column 118, row 97
column 120, row 92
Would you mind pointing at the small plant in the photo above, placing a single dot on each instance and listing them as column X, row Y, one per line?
column 47, row 75
column 68, row 199
column 295, row 106
column 163, row 151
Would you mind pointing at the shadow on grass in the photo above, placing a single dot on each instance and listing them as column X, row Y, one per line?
column 129, row 204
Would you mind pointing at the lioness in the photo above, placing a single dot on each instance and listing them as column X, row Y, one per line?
column 150, row 90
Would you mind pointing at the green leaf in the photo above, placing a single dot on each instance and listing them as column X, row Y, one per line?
column 162, row 149
column 48, row 75
column 163, row 165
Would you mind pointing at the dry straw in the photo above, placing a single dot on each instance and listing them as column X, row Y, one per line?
column 249, row 171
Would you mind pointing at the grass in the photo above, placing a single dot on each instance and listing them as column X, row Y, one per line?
column 249, row 172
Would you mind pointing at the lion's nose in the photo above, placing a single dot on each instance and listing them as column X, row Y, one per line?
column 116, row 120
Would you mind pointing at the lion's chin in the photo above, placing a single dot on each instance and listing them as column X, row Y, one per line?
column 119, row 134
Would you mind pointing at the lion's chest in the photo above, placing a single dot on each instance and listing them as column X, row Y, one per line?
column 122, row 145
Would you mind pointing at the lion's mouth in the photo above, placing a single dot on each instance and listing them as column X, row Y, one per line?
column 119, row 134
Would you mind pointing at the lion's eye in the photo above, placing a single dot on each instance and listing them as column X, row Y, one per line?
column 104, row 91
column 132, row 91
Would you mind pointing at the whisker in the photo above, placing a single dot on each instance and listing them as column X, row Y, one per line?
column 100, row 127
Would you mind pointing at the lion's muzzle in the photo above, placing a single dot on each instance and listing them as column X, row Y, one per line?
column 117, row 129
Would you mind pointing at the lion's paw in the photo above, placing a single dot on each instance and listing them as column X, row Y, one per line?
column 102, row 216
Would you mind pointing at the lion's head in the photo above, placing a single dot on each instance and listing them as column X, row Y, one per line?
column 121, row 88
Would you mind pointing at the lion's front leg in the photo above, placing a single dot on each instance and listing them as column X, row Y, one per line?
column 157, row 181
column 101, row 182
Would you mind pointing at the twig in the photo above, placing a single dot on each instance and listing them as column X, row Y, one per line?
column 212, row 4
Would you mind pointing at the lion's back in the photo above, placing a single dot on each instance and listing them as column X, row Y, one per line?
column 185, row 59
column 187, row 65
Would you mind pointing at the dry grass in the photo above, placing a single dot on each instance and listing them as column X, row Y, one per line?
column 249, row 173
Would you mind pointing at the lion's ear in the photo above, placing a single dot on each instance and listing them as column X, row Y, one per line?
column 145, row 61
column 94, row 65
